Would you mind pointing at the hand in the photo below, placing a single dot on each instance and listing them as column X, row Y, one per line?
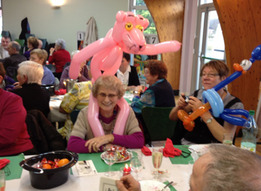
column 181, row 101
column 194, row 103
column 128, row 183
column 51, row 51
column 96, row 142
column 17, row 85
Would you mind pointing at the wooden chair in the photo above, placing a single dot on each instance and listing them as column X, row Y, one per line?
column 157, row 122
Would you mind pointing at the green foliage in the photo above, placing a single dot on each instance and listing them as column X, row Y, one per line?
column 140, row 2
column 151, row 29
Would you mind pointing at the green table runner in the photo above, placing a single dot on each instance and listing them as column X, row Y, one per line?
column 170, row 186
column 180, row 159
column 13, row 169
column 100, row 165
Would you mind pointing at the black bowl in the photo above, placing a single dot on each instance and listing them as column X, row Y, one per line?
column 49, row 178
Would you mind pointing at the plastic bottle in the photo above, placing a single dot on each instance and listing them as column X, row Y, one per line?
column 249, row 131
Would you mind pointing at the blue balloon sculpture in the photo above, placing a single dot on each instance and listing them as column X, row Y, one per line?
column 215, row 100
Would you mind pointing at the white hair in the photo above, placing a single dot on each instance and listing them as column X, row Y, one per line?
column 60, row 42
column 32, row 70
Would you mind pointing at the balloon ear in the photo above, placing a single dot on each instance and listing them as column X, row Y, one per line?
column 120, row 16
column 145, row 23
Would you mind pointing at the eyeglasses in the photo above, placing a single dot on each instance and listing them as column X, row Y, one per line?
column 110, row 96
column 209, row 75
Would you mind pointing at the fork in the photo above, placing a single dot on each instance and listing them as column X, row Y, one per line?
column 166, row 186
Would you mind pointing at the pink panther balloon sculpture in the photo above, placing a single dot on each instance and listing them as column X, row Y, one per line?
column 125, row 36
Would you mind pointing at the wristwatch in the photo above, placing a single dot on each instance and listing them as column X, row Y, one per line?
column 209, row 120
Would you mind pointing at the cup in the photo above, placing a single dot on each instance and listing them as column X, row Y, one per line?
column 69, row 83
column 227, row 139
column 2, row 180
column 157, row 155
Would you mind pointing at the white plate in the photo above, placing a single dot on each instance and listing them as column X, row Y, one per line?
column 152, row 185
column 199, row 149
column 121, row 161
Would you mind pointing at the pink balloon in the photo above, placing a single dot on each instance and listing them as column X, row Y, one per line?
column 126, row 35
column 93, row 117
column 87, row 53
column 123, row 115
column 169, row 46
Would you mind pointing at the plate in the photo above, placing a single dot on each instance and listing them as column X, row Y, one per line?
column 199, row 149
column 124, row 158
column 152, row 185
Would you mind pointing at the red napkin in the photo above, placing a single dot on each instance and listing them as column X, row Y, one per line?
column 60, row 92
column 169, row 150
column 146, row 151
column 3, row 163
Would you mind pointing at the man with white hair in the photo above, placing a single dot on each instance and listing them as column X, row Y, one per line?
column 223, row 167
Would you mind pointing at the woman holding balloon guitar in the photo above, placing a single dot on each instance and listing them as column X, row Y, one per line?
column 208, row 129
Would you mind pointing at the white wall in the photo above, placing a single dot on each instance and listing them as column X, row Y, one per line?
column 49, row 23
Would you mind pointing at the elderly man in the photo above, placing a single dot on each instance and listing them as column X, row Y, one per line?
column 223, row 168
column 11, row 63
column 3, row 47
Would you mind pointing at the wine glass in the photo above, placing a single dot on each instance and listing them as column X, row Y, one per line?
column 157, row 155
column 110, row 157
column 136, row 165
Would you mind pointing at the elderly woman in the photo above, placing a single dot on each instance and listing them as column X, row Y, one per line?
column 159, row 93
column 40, row 56
column 14, row 138
column 59, row 57
column 208, row 129
column 32, row 43
column 107, row 90
column 29, row 76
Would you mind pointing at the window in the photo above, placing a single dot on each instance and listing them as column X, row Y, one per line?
column 209, row 42
column 1, row 19
column 139, row 7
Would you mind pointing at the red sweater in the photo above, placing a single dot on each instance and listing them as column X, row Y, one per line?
column 14, row 137
column 59, row 58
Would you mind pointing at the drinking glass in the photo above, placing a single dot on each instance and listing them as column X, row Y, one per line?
column 136, row 165
column 157, row 155
column 2, row 180
column 110, row 157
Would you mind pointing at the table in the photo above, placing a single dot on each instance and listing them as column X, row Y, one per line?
column 55, row 115
column 179, row 173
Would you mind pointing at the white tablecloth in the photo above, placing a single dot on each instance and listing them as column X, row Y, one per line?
column 55, row 115
column 178, row 173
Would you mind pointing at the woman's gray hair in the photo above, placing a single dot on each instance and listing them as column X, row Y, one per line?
column 32, row 70
column 108, row 82
column 232, row 168
column 61, row 43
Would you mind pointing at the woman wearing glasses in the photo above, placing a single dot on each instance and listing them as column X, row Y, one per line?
column 208, row 129
column 107, row 90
